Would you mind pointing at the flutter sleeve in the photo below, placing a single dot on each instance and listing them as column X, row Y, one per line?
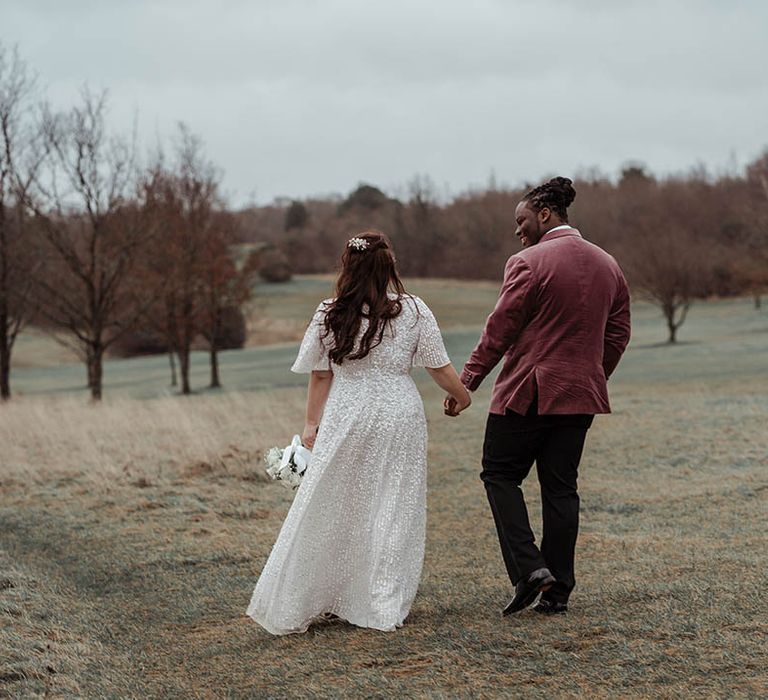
column 313, row 353
column 430, row 348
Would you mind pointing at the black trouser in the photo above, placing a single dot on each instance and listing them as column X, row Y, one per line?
column 512, row 444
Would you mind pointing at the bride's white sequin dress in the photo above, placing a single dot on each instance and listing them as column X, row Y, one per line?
column 352, row 543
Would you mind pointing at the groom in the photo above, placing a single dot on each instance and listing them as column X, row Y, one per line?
column 561, row 324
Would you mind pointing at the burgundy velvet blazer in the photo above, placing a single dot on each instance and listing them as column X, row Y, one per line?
column 561, row 323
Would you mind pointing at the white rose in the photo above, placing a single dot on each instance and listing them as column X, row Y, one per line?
column 294, row 479
column 272, row 459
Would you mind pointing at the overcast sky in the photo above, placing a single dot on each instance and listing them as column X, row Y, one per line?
column 307, row 97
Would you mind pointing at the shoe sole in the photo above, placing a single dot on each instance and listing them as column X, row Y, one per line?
column 550, row 612
column 528, row 600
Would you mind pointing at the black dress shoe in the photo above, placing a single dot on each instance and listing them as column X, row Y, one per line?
column 528, row 588
column 550, row 607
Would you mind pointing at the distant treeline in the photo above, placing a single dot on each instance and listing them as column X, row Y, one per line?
column 678, row 238
column 112, row 254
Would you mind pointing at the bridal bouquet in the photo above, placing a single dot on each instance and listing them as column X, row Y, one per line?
column 288, row 465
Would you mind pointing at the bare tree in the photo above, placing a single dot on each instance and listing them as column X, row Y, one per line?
column 667, row 257
column 225, row 287
column 756, row 243
column 666, row 274
column 162, row 210
column 94, row 230
column 183, row 203
column 21, row 153
column 417, row 229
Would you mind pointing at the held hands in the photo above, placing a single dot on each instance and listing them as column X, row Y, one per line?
column 452, row 406
column 458, row 397
column 309, row 435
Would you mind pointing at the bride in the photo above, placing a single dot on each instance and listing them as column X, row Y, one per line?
column 352, row 544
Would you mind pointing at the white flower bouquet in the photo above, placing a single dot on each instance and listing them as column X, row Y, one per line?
column 288, row 465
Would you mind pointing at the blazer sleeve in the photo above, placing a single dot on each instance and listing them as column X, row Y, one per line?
column 617, row 329
column 504, row 325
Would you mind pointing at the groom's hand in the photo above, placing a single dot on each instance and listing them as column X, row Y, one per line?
column 450, row 406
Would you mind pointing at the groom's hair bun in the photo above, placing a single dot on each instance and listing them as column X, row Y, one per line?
column 557, row 195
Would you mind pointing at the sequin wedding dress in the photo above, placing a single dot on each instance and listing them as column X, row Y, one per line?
column 352, row 543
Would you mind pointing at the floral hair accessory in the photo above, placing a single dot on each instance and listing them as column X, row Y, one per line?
column 358, row 243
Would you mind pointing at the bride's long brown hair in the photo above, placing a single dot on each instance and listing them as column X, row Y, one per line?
column 368, row 272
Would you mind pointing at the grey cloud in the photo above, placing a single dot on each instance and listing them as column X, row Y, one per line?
column 298, row 97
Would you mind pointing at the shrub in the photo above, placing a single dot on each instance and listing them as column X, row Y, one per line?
column 140, row 341
column 275, row 266
column 366, row 197
column 296, row 216
column 232, row 332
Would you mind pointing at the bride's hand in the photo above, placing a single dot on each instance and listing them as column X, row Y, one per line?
column 309, row 435
column 458, row 397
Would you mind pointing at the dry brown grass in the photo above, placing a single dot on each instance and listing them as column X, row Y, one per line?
column 142, row 581
column 38, row 655
column 131, row 536
column 47, row 438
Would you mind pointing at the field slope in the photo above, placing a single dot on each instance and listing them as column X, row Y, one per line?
column 131, row 534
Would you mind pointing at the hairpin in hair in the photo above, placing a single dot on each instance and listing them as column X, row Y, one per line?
column 357, row 243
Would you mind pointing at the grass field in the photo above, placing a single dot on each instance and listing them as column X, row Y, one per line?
column 131, row 534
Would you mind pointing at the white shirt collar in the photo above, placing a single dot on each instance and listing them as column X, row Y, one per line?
column 562, row 227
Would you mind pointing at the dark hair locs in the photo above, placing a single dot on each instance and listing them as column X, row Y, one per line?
column 557, row 195
column 367, row 274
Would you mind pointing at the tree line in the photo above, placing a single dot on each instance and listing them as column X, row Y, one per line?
column 113, row 252
column 678, row 239
column 95, row 244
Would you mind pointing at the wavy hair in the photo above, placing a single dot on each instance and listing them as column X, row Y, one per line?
column 368, row 272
